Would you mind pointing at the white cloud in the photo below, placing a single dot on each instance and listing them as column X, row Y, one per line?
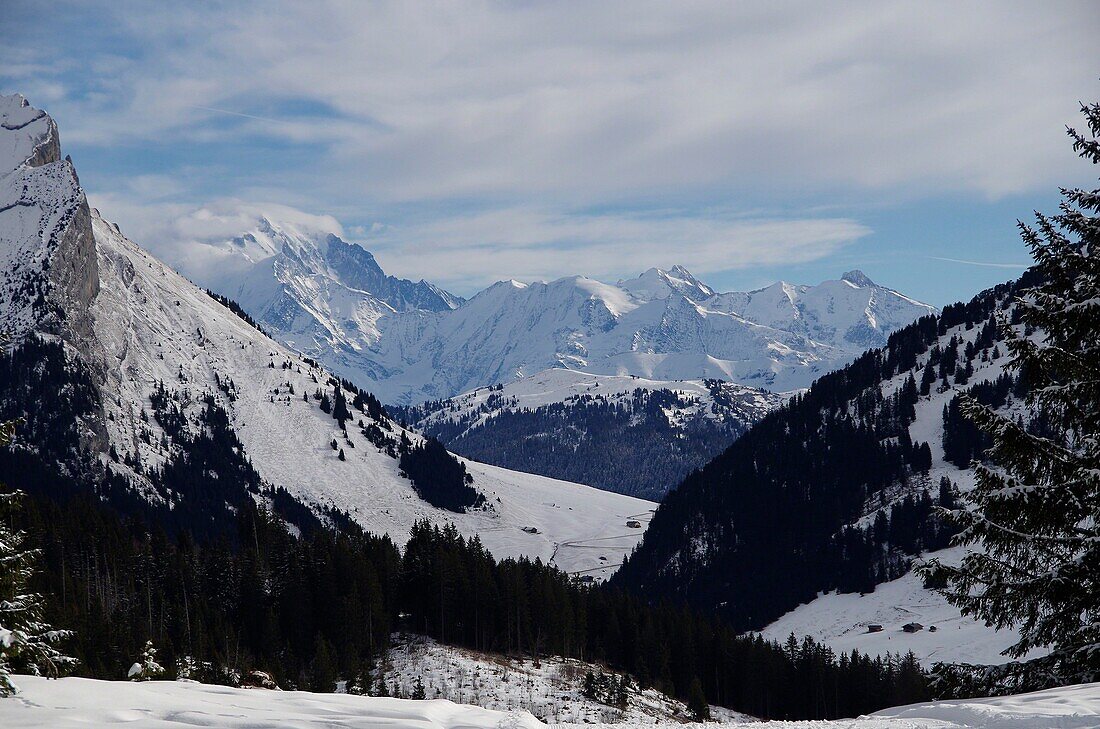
column 531, row 244
column 188, row 237
column 460, row 140
column 577, row 100
column 471, row 251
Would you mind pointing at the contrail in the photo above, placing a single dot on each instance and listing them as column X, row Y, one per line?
column 238, row 113
column 980, row 263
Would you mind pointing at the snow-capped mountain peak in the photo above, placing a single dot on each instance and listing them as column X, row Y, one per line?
column 30, row 138
column 410, row 347
column 657, row 283
column 858, row 278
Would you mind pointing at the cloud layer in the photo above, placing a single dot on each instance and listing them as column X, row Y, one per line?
column 530, row 244
column 495, row 128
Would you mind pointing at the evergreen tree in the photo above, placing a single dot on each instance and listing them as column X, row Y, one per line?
column 1036, row 512
column 697, row 701
column 340, row 406
column 27, row 642
column 589, row 690
column 323, row 669
column 418, row 690
column 146, row 667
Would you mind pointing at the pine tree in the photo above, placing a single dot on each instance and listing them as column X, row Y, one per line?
column 340, row 406
column 146, row 667
column 418, row 690
column 1036, row 512
column 27, row 642
column 323, row 669
column 697, row 701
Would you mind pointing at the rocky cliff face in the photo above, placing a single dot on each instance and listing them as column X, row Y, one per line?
column 51, row 276
column 50, row 222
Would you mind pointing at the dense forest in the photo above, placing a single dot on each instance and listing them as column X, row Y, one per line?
column 774, row 518
column 438, row 477
column 623, row 443
column 313, row 609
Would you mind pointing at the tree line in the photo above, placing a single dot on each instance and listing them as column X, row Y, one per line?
column 321, row 606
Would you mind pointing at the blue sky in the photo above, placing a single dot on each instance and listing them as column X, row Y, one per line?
column 466, row 143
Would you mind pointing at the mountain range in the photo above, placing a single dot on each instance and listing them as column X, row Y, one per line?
column 413, row 342
column 132, row 384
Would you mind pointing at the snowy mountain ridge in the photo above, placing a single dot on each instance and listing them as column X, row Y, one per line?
column 156, row 363
column 622, row 433
column 413, row 342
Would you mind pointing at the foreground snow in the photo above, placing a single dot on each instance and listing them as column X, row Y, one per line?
column 78, row 702
column 85, row 702
column 1071, row 707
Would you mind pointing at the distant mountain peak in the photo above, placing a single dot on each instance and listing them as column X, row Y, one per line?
column 657, row 283
column 858, row 278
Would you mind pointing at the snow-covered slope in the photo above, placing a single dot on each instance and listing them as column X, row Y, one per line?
column 155, row 326
column 83, row 702
column 138, row 326
column 419, row 343
column 713, row 399
column 802, row 495
column 77, row 702
column 840, row 621
column 551, row 688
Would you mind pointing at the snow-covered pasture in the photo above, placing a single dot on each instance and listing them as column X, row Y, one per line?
column 79, row 702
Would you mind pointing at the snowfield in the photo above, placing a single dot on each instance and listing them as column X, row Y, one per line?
column 841, row 620
column 82, row 702
column 79, row 702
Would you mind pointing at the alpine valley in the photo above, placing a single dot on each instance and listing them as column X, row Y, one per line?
column 566, row 501
column 627, row 387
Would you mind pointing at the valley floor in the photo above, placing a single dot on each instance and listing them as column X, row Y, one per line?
column 76, row 702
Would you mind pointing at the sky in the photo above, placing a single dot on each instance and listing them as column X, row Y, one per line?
column 471, row 142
